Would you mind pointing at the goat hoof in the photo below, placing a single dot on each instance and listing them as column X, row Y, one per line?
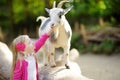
column 53, row 66
column 67, row 67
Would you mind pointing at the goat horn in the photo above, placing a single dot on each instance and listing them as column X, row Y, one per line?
column 61, row 3
column 54, row 4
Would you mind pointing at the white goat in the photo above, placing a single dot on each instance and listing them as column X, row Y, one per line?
column 61, row 37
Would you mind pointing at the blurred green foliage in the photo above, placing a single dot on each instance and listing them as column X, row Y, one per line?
column 26, row 8
column 106, row 46
column 17, row 15
column 23, row 10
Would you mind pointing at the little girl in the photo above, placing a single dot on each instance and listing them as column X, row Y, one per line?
column 25, row 65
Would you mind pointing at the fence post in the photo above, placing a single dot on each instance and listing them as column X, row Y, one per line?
column 84, row 34
column 76, row 27
column 24, row 31
column 37, row 31
column 101, row 22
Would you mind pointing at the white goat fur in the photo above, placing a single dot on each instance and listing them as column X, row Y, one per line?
column 62, row 35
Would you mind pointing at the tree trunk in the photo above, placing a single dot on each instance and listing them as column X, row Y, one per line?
column 11, row 28
column 11, row 12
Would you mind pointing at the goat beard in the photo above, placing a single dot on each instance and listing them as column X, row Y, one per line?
column 54, row 35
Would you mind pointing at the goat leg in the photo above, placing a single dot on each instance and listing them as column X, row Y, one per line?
column 52, row 60
column 66, row 57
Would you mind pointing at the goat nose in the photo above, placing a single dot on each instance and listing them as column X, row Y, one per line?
column 52, row 24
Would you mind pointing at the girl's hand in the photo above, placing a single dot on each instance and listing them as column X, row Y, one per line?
column 50, row 31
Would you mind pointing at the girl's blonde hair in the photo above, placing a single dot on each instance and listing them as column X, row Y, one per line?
column 19, row 39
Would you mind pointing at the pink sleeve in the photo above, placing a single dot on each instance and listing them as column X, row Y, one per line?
column 40, row 42
column 17, row 73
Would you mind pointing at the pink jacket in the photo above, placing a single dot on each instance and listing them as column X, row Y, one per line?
column 20, row 70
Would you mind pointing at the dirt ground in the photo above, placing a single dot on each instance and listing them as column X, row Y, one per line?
column 100, row 67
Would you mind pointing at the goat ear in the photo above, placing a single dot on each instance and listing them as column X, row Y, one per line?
column 48, row 10
column 68, row 9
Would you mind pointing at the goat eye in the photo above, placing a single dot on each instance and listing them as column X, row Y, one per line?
column 59, row 16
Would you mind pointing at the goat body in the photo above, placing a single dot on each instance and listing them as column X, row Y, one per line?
column 60, row 37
